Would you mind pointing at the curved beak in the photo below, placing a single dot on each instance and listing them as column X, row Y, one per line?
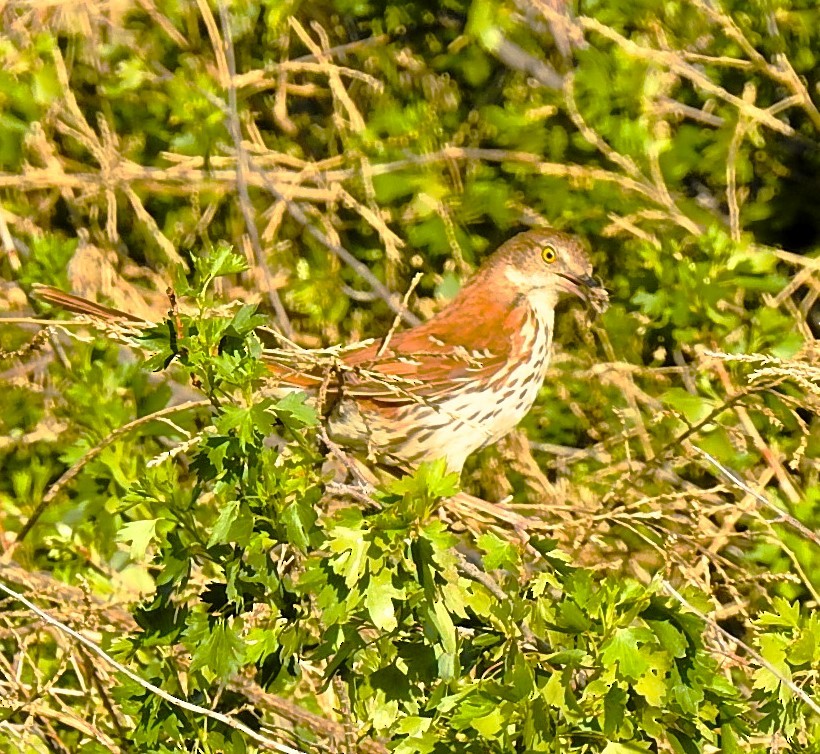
column 587, row 288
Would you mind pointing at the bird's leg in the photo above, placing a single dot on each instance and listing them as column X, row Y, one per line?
column 351, row 490
column 365, row 484
column 364, row 480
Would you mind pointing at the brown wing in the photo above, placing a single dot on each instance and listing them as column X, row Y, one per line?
column 421, row 363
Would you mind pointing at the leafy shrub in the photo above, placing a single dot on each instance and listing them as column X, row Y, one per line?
column 652, row 586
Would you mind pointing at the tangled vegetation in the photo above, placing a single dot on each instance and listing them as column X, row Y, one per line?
column 635, row 569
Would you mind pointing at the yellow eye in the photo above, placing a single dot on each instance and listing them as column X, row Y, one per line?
column 549, row 254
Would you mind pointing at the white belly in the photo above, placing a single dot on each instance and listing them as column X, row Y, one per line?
column 466, row 420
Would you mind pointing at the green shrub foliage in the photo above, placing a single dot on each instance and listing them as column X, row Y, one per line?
column 635, row 570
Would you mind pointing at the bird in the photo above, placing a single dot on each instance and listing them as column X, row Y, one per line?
column 446, row 387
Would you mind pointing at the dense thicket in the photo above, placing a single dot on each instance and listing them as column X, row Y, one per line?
column 649, row 582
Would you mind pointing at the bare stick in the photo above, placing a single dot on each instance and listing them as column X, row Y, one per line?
column 241, row 173
column 397, row 319
column 673, row 62
column 361, row 269
column 161, row 693
column 756, row 656
column 72, row 472
column 740, row 484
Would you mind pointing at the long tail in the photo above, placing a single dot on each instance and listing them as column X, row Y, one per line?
column 302, row 376
column 79, row 305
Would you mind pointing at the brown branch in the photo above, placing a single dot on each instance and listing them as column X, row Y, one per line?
column 361, row 269
column 782, row 516
column 756, row 656
column 676, row 64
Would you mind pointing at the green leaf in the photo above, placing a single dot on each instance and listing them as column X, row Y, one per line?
column 572, row 617
column 672, row 640
column 444, row 626
column 489, row 725
column 261, row 643
column 652, row 687
column 234, row 525
column 378, row 600
column 430, row 481
column 805, row 649
column 219, row 649
column 554, row 692
column 417, row 744
column 694, row 408
column 614, row 709
column 773, row 649
column 499, row 553
column 246, row 422
column 688, row 697
column 615, row 747
column 448, row 287
column 139, row 535
column 786, row 614
column 472, row 706
column 623, row 649
column 295, row 411
column 350, row 562
column 411, row 725
column 729, row 743
column 223, row 260
column 521, row 676
column 246, row 320
column 681, row 743
column 298, row 520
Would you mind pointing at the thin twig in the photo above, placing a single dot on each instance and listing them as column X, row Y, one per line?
column 756, row 656
column 72, row 472
column 161, row 693
column 738, row 136
column 361, row 269
column 676, row 64
column 397, row 319
column 740, row 484
column 245, row 205
column 341, row 50
column 474, row 573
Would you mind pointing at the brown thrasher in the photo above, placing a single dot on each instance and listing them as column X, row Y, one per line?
column 451, row 385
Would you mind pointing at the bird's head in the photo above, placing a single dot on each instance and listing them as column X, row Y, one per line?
column 546, row 263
